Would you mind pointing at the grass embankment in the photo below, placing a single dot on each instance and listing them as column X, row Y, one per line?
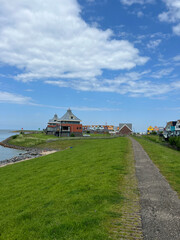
column 41, row 140
column 72, row 194
column 153, row 138
column 99, row 135
column 30, row 140
column 166, row 159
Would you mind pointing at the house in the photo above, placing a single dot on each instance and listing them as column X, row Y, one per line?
column 169, row 130
column 125, row 128
column 156, row 129
column 150, row 129
column 177, row 128
column 161, row 129
column 170, row 127
column 65, row 126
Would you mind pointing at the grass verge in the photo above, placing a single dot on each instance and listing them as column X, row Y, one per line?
column 166, row 159
column 71, row 194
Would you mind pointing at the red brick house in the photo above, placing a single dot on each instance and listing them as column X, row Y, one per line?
column 66, row 126
column 125, row 128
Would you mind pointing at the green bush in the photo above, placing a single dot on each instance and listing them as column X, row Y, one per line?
column 175, row 141
column 72, row 135
column 154, row 133
column 14, row 137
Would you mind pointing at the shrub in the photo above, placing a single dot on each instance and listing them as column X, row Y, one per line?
column 154, row 133
column 14, row 137
column 175, row 141
column 72, row 135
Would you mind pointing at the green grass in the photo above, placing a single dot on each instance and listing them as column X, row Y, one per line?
column 63, row 144
column 30, row 140
column 166, row 159
column 153, row 138
column 100, row 135
column 69, row 195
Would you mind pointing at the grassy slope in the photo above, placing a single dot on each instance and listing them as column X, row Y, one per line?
column 40, row 140
column 166, row 159
column 153, row 138
column 31, row 140
column 71, row 194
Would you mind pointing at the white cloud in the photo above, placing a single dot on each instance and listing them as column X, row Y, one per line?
column 6, row 97
column 172, row 15
column 130, row 2
column 154, row 43
column 12, row 98
column 134, row 84
column 162, row 73
column 176, row 29
column 140, row 14
column 50, row 40
column 177, row 58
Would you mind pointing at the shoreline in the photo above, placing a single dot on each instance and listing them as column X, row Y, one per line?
column 25, row 157
column 30, row 153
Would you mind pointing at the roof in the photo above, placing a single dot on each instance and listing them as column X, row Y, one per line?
column 129, row 125
column 69, row 116
column 54, row 119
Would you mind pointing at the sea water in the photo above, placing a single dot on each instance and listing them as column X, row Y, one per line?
column 7, row 153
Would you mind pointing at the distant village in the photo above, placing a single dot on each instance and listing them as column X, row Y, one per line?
column 70, row 126
column 172, row 128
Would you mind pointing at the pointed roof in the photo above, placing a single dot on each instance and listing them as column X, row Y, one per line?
column 128, row 125
column 69, row 116
column 54, row 119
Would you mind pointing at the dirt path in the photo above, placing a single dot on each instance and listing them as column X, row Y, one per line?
column 160, row 205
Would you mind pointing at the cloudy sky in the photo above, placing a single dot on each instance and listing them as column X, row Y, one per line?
column 110, row 61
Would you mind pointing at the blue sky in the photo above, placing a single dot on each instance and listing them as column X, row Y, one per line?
column 110, row 61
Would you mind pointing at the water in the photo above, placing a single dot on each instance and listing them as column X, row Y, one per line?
column 7, row 153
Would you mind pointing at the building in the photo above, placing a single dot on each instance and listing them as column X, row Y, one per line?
column 150, row 129
column 125, row 128
column 66, row 126
column 156, row 129
column 177, row 128
column 170, row 126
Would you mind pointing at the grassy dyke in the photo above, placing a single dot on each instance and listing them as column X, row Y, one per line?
column 153, row 138
column 71, row 194
column 30, row 140
column 41, row 140
column 166, row 159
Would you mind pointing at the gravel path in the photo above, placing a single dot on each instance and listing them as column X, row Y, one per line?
column 160, row 205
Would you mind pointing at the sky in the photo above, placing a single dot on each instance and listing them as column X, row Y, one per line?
column 110, row 61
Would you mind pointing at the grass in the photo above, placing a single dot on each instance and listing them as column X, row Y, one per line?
column 71, row 194
column 41, row 140
column 100, row 135
column 30, row 140
column 62, row 144
column 153, row 138
column 166, row 159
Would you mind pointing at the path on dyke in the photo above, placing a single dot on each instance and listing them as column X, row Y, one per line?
column 160, row 205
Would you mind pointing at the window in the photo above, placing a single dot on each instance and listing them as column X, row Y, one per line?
column 71, row 117
column 65, row 128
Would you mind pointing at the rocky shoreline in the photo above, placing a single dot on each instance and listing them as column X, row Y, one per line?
column 22, row 156
column 28, row 154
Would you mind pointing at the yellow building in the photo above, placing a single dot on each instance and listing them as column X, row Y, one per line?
column 150, row 129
